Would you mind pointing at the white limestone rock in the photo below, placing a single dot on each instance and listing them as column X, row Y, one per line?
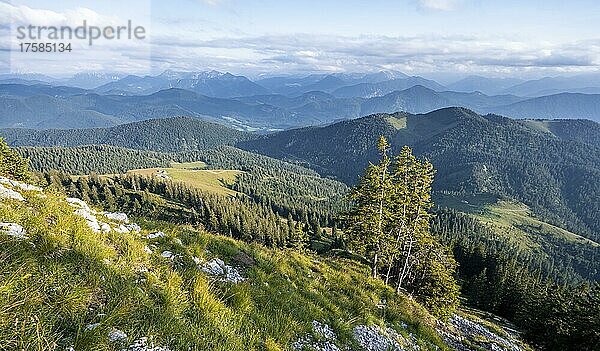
column 143, row 344
column 86, row 214
column 105, row 227
column 121, row 229
column 134, row 227
column 323, row 330
column 325, row 340
column 307, row 343
column 117, row 336
column 127, row 228
column 78, row 203
column 6, row 193
column 20, row 185
column 225, row 273
column 116, row 216
column 92, row 326
column 475, row 332
column 373, row 338
column 14, row 230
column 156, row 235
column 90, row 219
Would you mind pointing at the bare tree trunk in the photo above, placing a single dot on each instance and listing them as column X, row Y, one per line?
column 406, row 262
column 402, row 273
column 374, row 267
column 389, row 271
column 380, row 221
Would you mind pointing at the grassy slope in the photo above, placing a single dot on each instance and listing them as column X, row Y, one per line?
column 65, row 277
column 212, row 180
column 510, row 219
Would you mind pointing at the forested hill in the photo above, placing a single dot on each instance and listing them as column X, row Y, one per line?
column 554, row 168
column 581, row 130
column 167, row 135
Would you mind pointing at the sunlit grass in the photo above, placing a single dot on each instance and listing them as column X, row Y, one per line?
column 210, row 180
column 65, row 278
column 511, row 220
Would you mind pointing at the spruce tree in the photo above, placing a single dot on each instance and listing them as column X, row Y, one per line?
column 389, row 226
column 12, row 165
column 367, row 220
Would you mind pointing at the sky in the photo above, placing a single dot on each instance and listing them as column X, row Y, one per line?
column 264, row 37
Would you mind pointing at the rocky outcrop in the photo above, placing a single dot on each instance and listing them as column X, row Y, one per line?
column 143, row 344
column 368, row 338
column 14, row 230
column 83, row 210
column 323, row 339
column 168, row 255
column 7, row 193
column 127, row 228
column 374, row 338
column 19, row 185
column 464, row 334
column 117, row 336
column 156, row 235
column 116, row 216
column 9, row 189
column 460, row 333
column 225, row 273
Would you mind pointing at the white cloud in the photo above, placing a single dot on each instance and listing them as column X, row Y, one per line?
column 104, row 55
column 303, row 52
column 439, row 5
column 212, row 2
column 24, row 15
column 240, row 53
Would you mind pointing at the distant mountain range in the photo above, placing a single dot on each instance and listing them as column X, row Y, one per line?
column 554, row 85
column 28, row 90
column 84, row 80
column 224, row 84
column 489, row 86
column 274, row 103
column 297, row 85
column 43, row 106
column 367, row 90
column 564, row 105
column 583, row 83
column 213, row 84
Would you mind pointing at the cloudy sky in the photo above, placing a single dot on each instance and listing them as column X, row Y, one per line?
column 460, row 37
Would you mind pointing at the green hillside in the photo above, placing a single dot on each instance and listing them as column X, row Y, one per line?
column 553, row 173
column 512, row 219
column 218, row 181
column 552, row 251
column 515, row 207
column 288, row 188
column 66, row 285
column 302, row 193
column 580, row 130
column 167, row 135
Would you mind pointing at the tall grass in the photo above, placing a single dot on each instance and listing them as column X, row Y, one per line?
column 66, row 278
